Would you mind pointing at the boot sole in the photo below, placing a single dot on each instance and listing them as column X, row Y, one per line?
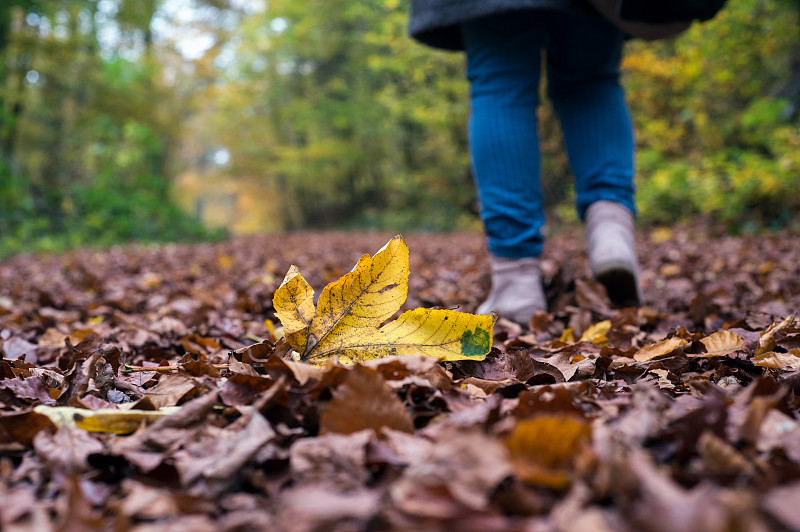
column 621, row 286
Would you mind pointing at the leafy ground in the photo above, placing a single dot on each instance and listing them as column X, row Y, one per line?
column 682, row 415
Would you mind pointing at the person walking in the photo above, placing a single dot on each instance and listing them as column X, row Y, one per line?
column 507, row 44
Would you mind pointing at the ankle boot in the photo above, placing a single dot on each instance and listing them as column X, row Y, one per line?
column 612, row 251
column 516, row 292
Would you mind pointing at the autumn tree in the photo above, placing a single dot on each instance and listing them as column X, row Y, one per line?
column 342, row 111
column 85, row 147
column 713, row 111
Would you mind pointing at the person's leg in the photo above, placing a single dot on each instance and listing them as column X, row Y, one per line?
column 583, row 82
column 583, row 56
column 503, row 67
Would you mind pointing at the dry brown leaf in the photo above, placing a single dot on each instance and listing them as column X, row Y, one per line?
column 767, row 341
column 773, row 360
column 211, row 462
column 663, row 379
column 312, row 508
column 721, row 458
column 462, row 466
column 782, row 503
column 337, row 459
column 365, row 401
column 170, row 389
column 659, row 349
column 721, row 343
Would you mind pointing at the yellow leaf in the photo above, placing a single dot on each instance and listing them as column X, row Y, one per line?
column 101, row 420
column 658, row 349
column 568, row 336
column 294, row 305
column 365, row 297
column 225, row 261
column 669, row 270
column 773, row 360
column 544, row 449
column 597, row 333
column 660, row 235
column 444, row 334
column 271, row 329
column 348, row 319
column 721, row 343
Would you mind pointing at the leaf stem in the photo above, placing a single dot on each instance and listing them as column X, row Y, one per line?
column 161, row 369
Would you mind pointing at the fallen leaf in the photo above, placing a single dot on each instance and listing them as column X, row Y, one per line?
column 102, row 420
column 568, row 336
column 294, row 305
column 597, row 333
column 780, row 431
column 211, row 462
column 332, row 458
column 782, row 503
column 658, row 349
column 170, row 389
column 29, row 390
column 467, row 463
column 314, row 508
column 721, row 343
column 663, row 379
column 365, row 401
column 773, row 360
column 67, row 449
column 767, row 340
column 721, row 458
column 16, row 347
column 146, row 502
column 350, row 311
column 562, row 399
column 22, row 426
column 544, row 449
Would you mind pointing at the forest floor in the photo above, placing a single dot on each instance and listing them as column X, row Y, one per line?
column 680, row 415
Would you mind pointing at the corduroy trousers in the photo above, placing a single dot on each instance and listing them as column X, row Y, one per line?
column 581, row 56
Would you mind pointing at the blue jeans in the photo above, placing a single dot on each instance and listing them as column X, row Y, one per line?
column 504, row 58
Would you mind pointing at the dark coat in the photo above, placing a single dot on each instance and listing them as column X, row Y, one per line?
column 437, row 22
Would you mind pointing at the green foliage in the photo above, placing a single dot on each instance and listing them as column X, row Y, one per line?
column 715, row 138
column 85, row 149
column 100, row 212
column 359, row 125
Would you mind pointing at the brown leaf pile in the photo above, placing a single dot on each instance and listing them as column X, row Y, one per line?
column 682, row 415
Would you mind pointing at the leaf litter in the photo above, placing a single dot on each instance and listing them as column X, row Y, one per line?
column 188, row 412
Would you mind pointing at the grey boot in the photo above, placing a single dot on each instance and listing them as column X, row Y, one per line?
column 612, row 251
column 516, row 292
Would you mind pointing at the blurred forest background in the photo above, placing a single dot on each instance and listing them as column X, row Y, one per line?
column 166, row 120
